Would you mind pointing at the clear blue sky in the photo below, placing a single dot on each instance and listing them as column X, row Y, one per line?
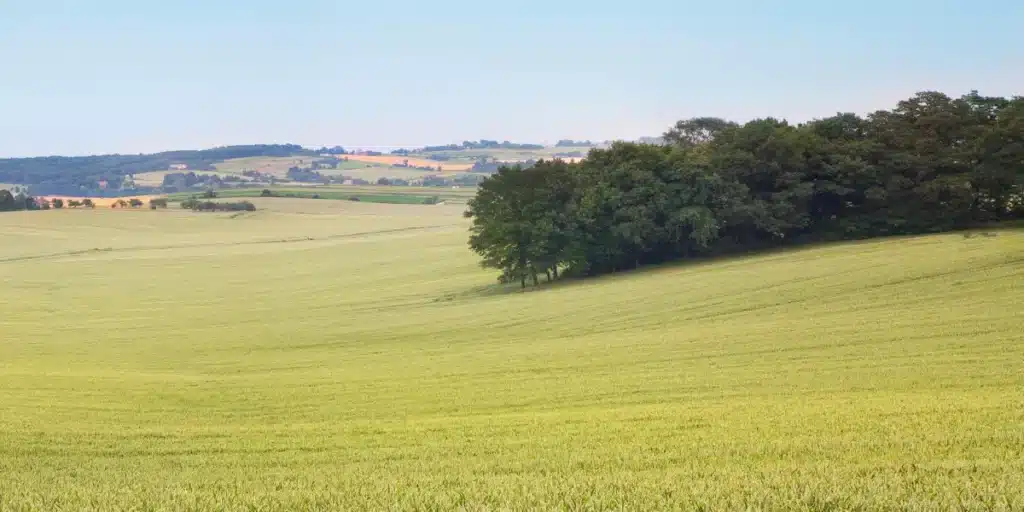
column 131, row 76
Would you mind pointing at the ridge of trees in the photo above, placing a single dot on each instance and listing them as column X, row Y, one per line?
column 78, row 175
column 195, row 204
column 483, row 144
column 931, row 164
column 574, row 143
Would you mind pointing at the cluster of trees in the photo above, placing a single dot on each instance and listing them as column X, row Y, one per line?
column 336, row 150
column 179, row 181
column 490, row 165
column 19, row 201
column 574, row 143
column 933, row 163
column 130, row 203
column 75, row 203
column 259, row 176
column 569, row 154
column 60, row 175
column 197, row 205
column 306, row 175
column 483, row 144
column 324, row 163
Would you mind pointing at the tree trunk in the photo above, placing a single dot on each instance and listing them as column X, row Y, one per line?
column 522, row 282
column 555, row 270
column 534, row 274
column 548, row 272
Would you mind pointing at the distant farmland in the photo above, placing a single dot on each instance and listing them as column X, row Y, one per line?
column 373, row 194
column 413, row 161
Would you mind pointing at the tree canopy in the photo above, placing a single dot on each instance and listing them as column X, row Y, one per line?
column 932, row 163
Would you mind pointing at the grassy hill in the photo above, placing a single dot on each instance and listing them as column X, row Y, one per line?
column 331, row 355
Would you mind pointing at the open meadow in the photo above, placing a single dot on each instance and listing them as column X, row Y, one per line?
column 339, row 355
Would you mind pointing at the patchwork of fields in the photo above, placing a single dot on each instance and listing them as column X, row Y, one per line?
column 371, row 167
column 337, row 355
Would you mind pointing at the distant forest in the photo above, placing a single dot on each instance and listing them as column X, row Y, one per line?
column 933, row 163
column 484, row 144
column 83, row 175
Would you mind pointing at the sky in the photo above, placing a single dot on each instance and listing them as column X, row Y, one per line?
column 130, row 76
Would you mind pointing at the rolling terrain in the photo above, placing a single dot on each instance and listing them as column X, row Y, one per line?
column 333, row 355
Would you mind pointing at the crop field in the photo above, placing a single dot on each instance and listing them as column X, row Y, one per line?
column 156, row 178
column 373, row 171
column 274, row 166
column 278, row 167
column 394, row 159
column 367, row 193
column 335, row 355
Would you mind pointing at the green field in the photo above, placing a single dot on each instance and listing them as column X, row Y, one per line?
column 333, row 355
column 370, row 194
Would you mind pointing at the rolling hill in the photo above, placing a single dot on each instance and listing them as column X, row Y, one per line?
column 329, row 355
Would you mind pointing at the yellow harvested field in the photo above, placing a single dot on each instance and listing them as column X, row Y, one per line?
column 418, row 162
column 100, row 202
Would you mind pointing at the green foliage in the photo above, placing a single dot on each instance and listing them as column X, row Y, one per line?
column 158, row 202
column 20, row 201
column 574, row 143
column 931, row 164
column 57, row 203
column 196, row 205
column 483, row 144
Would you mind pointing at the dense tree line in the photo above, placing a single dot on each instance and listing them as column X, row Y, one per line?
column 306, row 175
column 197, row 205
column 931, row 164
column 483, row 144
column 10, row 202
column 574, row 143
column 61, row 175
column 490, row 165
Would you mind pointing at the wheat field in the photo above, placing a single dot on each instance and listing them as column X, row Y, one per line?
column 329, row 355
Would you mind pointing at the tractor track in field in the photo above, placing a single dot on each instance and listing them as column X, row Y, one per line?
column 296, row 239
